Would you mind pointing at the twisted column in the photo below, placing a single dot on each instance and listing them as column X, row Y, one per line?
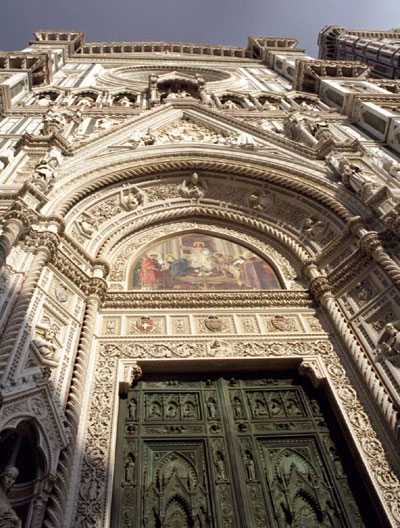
column 321, row 290
column 95, row 290
column 371, row 245
column 16, row 221
column 45, row 244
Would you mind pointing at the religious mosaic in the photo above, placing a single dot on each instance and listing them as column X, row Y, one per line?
column 201, row 262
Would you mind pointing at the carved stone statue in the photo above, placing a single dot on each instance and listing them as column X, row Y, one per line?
column 85, row 101
column 305, row 129
column 351, row 174
column 124, row 101
column 313, row 228
column 52, row 121
column 45, row 173
column 382, row 161
column 140, row 139
column 8, row 517
column 191, row 188
column 230, row 105
column 43, row 100
column 260, row 201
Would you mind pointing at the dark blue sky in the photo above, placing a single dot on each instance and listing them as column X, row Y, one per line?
column 227, row 22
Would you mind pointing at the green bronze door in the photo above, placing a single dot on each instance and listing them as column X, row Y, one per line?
column 223, row 452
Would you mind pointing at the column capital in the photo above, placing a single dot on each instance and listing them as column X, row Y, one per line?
column 43, row 240
column 95, row 287
column 370, row 243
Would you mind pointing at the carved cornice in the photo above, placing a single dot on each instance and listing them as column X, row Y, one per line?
column 69, row 269
column 204, row 300
column 348, row 270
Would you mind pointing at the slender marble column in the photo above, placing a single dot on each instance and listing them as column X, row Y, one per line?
column 321, row 290
column 369, row 243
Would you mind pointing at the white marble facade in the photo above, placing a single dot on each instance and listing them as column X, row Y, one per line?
column 119, row 160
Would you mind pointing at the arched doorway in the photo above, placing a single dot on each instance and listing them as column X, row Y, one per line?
column 232, row 446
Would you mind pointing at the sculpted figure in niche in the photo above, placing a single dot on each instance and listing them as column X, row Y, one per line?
column 230, row 105
column 131, row 198
column 8, row 517
column 87, row 225
column 220, row 466
column 53, row 121
column 124, row 101
column 130, row 468
column 43, row 100
column 250, row 467
column 313, row 228
column 85, row 101
column 191, row 188
column 269, row 104
column 45, row 173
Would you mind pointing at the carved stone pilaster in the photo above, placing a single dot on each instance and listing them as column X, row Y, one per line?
column 95, row 289
column 44, row 244
column 321, row 290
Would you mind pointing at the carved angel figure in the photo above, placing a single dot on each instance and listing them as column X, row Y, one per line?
column 8, row 517
column 191, row 188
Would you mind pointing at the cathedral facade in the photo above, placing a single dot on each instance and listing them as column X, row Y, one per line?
column 199, row 291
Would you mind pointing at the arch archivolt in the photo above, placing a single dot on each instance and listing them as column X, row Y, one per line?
column 133, row 165
column 296, row 222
